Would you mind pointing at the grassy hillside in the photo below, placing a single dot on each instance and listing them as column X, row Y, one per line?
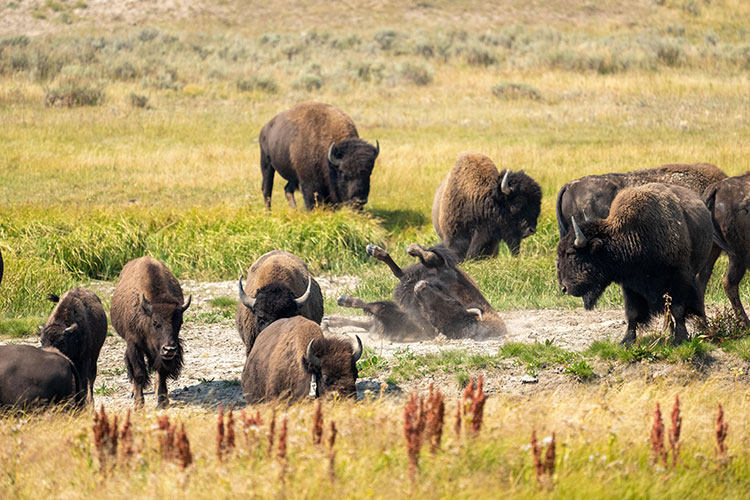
column 142, row 139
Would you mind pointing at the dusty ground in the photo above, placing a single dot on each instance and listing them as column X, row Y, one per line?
column 214, row 354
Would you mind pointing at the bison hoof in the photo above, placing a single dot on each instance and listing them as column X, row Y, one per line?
column 421, row 285
column 344, row 300
column 376, row 251
column 628, row 339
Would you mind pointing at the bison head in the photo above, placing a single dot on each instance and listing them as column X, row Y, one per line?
column 65, row 336
column 332, row 365
column 520, row 200
column 583, row 269
column 350, row 166
column 165, row 321
column 274, row 301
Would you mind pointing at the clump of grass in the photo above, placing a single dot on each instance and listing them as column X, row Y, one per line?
column 581, row 370
column 139, row 101
column 722, row 326
column 20, row 327
column 308, row 82
column 415, row 73
column 739, row 347
column 223, row 302
column 693, row 349
column 513, row 91
column 265, row 84
column 74, row 93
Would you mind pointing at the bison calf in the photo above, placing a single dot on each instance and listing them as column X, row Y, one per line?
column 476, row 207
column 729, row 203
column 316, row 149
column 31, row 376
column 278, row 286
column 292, row 359
column 146, row 311
column 77, row 327
column 655, row 241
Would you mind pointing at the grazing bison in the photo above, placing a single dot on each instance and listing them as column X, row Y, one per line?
column 476, row 207
column 278, row 286
column 77, row 328
column 433, row 296
column 316, row 149
column 31, row 376
column 655, row 241
column 729, row 203
column 147, row 311
column 292, row 359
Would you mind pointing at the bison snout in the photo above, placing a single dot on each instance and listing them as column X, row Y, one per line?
column 168, row 351
column 564, row 289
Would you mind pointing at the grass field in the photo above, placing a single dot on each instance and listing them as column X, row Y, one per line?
column 128, row 130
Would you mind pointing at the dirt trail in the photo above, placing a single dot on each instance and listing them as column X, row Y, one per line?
column 214, row 353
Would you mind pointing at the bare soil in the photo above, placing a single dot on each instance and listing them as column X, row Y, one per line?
column 214, row 354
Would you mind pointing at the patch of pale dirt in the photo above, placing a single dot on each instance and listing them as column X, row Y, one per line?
column 214, row 353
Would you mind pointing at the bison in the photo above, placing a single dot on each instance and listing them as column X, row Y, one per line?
column 316, row 149
column 279, row 286
column 476, row 207
column 146, row 310
column 31, row 376
column 433, row 296
column 77, row 327
column 654, row 242
column 729, row 203
column 292, row 359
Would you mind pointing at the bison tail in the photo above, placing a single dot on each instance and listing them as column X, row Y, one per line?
column 561, row 220
column 709, row 198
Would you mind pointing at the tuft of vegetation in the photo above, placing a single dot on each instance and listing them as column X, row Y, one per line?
column 512, row 91
column 721, row 326
column 74, row 93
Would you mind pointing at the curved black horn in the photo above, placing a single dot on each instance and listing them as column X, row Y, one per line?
column 331, row 158
column 580, row 240
column 358, row 351
column 504, row 187
column 249, row 302
column 301, row 300
column 377, row 148
column 187, row 303
column 312, row 358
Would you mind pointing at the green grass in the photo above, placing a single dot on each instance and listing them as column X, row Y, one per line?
column 739, row 347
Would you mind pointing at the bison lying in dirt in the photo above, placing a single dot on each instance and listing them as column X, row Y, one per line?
column 292, row 359
column 316, row 149
column 31, row 376
column 433, row 296
column 278, row 286
column 476, row 207
column 146, row 311
column 77, row 328
column 729, row 203
column 655, row 241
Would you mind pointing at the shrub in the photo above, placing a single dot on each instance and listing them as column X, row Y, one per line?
column 266, row 84
column 74, row 93
column 415, row 73
column 308, row 82
column 139, row 101
column 513, row 91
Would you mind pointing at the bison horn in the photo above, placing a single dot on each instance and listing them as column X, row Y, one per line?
column 249, row 302
column 476, row 311
column 312, row 358
column 331, row 158
column 145, row 305
column 377, row 148
column 504, row 186
column 187, row 303
column 301, row 300
column 358, row 351
column 580, row 240
column 71, row 328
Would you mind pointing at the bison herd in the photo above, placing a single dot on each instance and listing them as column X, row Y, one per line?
column 655, row 232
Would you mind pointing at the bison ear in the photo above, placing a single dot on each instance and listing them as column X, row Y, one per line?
column 145, row 306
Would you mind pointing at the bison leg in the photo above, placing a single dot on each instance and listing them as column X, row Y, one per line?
column 735, row 272
column 636, row 312
column 482, row 245
column 705, row 274
column 162, row 400
column 383, row 256
column 679, row 330
column 267, row 172
column 428, row 258
column 137, row 372
column 343, row 321
column 289, row 189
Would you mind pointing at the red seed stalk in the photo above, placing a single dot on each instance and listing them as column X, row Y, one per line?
column 220, row 434
column 332, row 452
column 271, row 432
column 435, row 418
column 721, row 435
column 414, row 422
column 251, row 423
column 537, row 454
column 674, row 433
column 167, row 439
column 657, row 437
column 543, row 467
column 230, row 429
column 126, row 438
column 105, row 438
column 477, row 407
column 549, row 458
column 184, row 456
column 317, row 430
column 281, row 452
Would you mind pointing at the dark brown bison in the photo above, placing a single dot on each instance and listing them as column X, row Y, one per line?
column 316, row 149
column 292, row 359
column 655, row 241
column 31, row 376
column 146, row 310
column 433, row 296
column 77, row 328
column 476, row 207
column 729, row 203
column 278, row 286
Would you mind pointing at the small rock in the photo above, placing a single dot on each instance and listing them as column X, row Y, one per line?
column 528, row 379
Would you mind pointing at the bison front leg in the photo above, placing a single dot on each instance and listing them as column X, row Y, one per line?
column 289, row 189
column 378, row 253
column 267, row 172
column 636, row 313
column 136, row 372
column 735, row 272
column 162, row 400
column 679, row 330
column 483, row 244
column 428, row 258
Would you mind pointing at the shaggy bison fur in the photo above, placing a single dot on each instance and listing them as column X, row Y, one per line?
column 316, row 149
column 146, row 310
column 77, row 328
column 31, row 376
column 655, row 241
column 292, row 359
column 476, row 207
column 277, row 287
